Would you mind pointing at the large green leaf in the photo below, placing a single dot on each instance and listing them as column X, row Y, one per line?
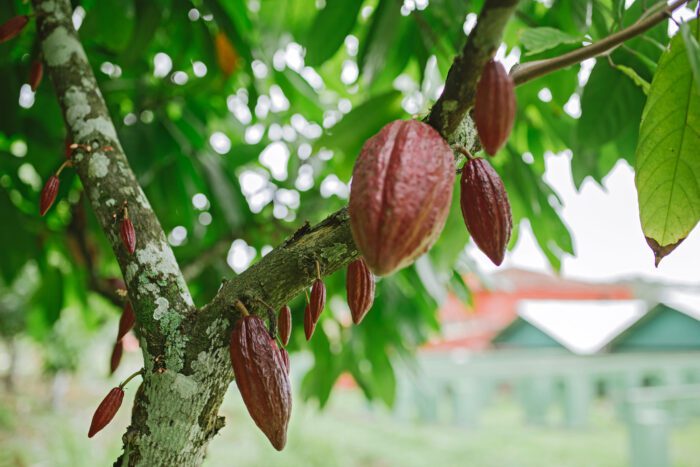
column 610, row 103
column 329, row 29
column 668, row 162
column 538, row 40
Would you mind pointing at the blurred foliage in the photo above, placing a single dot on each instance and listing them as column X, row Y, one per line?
column 242, row 119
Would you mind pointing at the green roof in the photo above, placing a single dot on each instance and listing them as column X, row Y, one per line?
column 522, row 334
column 662, row 328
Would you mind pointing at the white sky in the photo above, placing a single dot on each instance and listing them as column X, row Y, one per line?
column 608, row 240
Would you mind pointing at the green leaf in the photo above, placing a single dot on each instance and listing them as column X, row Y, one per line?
column 537, row 40
column 693, row 49
column 610, row 103
column 380, row 40
column 634, row 76
column 668, row 166
column 329, row 29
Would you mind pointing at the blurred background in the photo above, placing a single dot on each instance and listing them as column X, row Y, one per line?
column 242, row 119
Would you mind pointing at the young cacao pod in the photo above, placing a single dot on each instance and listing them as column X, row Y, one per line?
column 284, row 324
column 485, row 208
column 48, row 194
column 128, row 235
column 36, row 72
column 494, row 107
column 12, row 27
column 318, row 299
column 309, row 323
column 106, row 410
column 116, row 356
column 126, row 321
column 261, row 377
column 400, row 194
column 359, row 285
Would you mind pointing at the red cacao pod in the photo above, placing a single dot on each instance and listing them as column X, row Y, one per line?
column 284, row 324
column 285, row 358
column 494, row 106
column 128, row 235
column 359, row 285
column 262, row 379
column 116, row 357
column 126, row 321
column 485, row 208
column 106, row 410
column 48, row 194
column 36, row 72
column 318, row 299
column 68, row 151
column 400, row 194
column 309, row 323
column 12, row 27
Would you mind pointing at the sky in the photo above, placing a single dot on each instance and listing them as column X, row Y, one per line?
column 608, row 240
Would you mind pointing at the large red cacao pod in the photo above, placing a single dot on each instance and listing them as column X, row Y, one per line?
column 48, row 194
column 485, row 208
column 318, row 299
column 359, row 285
column 261, row 377
column 106, row 410
column 494, row 106
column 284, row 324
column 126, row 321
column 400, row 195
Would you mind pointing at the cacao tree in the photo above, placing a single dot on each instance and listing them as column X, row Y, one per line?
column 187, row 164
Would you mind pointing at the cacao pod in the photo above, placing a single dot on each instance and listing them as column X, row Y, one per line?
column 106, row 410
column 400, row 194
column 226, row 55
column 36, row 72
column 126, row 321
column 68, row 151
column 494, row 106
column 359, row 285
column 284, row 324
column 285, row 358
column 48, row 194
column 261, row 376
column 128, row 235
column 116, row 357
column 318, row 299
column 309, row 323
column 485, row 208
column 12, row 27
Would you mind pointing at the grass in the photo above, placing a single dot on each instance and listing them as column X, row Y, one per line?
column 346, row 434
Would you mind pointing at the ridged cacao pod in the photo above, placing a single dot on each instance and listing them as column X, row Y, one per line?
column 261, row 377
column 106, row 410
column 36, row 72
column 116, row 357
column 400, row 194
column 128, row 235
column 12, row 27
column 285, row 358
column 284, row 324
column 48, row 194
column 494, row 107
column 309, row 323
column 126, row 321
column 359, row 285
column 485, row 208
column 318, row 299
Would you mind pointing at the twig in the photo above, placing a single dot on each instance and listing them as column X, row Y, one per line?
column 532, row 70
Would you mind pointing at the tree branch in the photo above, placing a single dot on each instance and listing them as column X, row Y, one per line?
column 156, row 288
column 531, row 70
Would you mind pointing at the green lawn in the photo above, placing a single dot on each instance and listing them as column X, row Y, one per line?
column 347, row 433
